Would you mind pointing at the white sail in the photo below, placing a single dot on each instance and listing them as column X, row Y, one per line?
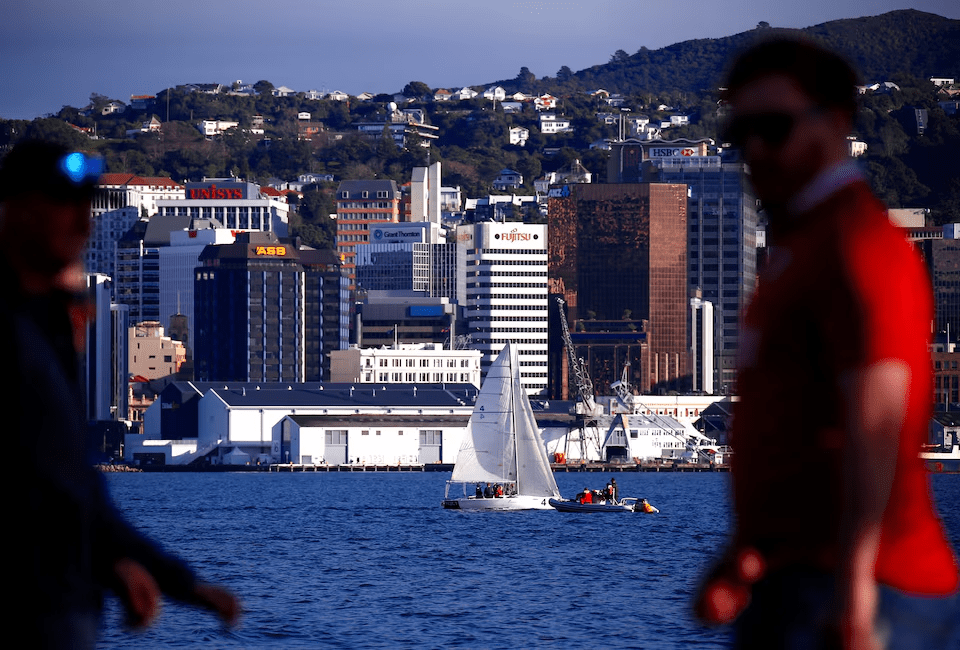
column 533, row 464
column 503, row 444
column 488, row 450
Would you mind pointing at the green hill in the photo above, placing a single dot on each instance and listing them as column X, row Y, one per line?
column 906, row 42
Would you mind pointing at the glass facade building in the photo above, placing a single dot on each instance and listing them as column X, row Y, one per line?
column 721, row 246
column 618, row 259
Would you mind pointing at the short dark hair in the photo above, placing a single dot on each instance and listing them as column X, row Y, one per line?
column 825, row 76
column 48, row 169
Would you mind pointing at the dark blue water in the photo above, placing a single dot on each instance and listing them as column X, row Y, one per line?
column 369, row 560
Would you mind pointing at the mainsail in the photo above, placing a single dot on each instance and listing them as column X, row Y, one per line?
column 503, row 443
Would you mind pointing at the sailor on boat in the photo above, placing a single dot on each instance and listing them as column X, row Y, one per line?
column 646, row 507
column 586, row 496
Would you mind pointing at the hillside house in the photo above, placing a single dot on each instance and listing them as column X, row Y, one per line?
column 550, row 123
column 545, row 102
column 519, row 135
column 210, row 128
column 496, row 93
column 508, row 180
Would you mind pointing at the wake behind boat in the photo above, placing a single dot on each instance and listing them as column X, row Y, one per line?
column 503, row 463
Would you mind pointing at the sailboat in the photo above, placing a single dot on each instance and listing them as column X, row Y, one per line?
column 503, row 463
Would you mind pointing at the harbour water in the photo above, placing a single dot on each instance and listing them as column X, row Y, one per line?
column 363, row 560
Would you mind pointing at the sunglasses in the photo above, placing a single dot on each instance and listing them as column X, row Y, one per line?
column 774, row 128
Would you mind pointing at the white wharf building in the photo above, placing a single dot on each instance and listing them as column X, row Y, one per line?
column 423, row 363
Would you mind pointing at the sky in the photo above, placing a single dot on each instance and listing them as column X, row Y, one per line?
column 54, row 53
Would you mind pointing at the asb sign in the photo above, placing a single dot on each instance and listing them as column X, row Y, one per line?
column 270, row 251
column 671, row 152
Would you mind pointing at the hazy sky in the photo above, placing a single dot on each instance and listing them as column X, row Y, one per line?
column 54, row 53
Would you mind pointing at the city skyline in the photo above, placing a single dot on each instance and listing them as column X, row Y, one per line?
column 54, row 54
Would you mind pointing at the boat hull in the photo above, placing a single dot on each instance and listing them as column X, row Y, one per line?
column 515, row 502
column 625, row 505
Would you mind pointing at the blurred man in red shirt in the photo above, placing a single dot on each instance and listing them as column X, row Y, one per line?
column 837, row 542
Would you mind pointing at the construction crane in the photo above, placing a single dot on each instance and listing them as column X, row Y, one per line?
column 587, row 404
column 587, row 409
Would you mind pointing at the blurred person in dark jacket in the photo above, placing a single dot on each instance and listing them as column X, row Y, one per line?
column 837, row 542
column 67, row 542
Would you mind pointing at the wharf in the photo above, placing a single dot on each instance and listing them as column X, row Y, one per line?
column 292, row 467
column 643, row 466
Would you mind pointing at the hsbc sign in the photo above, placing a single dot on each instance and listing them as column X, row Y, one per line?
column 671, row 152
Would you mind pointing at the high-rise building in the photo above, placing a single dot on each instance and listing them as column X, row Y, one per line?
column 506, row 294
column 701, row 345
column 105, row 359
column 334, row 315
column 410, row 258
column 618, row 260
column 722, row 247
column 941, row 251
column 254, row 302
column 361, row 204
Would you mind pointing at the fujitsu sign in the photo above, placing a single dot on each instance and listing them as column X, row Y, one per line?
column 232, row 191
column 515, row 236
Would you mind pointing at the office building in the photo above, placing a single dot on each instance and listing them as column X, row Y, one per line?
column 333, row 326
column 104, row 369
column 722, row 247
column 506, row 294
column 418, row 363
column 360, row 204
column 701, row 345
column 618, row 261
column 254, row 303
column 234, row 204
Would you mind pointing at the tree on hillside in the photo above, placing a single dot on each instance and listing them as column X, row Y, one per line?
column 619, row 57
column 54, row 130
column 526, row 81
column 417, row 89
column 263, row 87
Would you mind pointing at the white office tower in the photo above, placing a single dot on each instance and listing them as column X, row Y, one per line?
column 701, row 345
column 178, row 262
column 506, row 294
column 425, row 194
column 105, row 357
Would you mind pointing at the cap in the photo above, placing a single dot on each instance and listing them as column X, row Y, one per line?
column 49, row 169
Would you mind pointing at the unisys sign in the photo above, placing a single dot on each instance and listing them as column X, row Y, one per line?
column 214, row 191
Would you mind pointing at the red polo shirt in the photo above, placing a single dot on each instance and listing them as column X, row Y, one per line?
column 845, row 290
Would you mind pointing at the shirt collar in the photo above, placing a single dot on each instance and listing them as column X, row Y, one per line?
column 826, row 183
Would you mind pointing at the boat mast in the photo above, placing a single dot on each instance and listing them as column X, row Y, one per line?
column 513, row 411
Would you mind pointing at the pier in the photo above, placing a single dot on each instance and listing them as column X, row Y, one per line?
column 644, row 466
column 362, row 467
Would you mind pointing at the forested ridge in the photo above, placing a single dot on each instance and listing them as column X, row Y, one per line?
column 907, row 169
